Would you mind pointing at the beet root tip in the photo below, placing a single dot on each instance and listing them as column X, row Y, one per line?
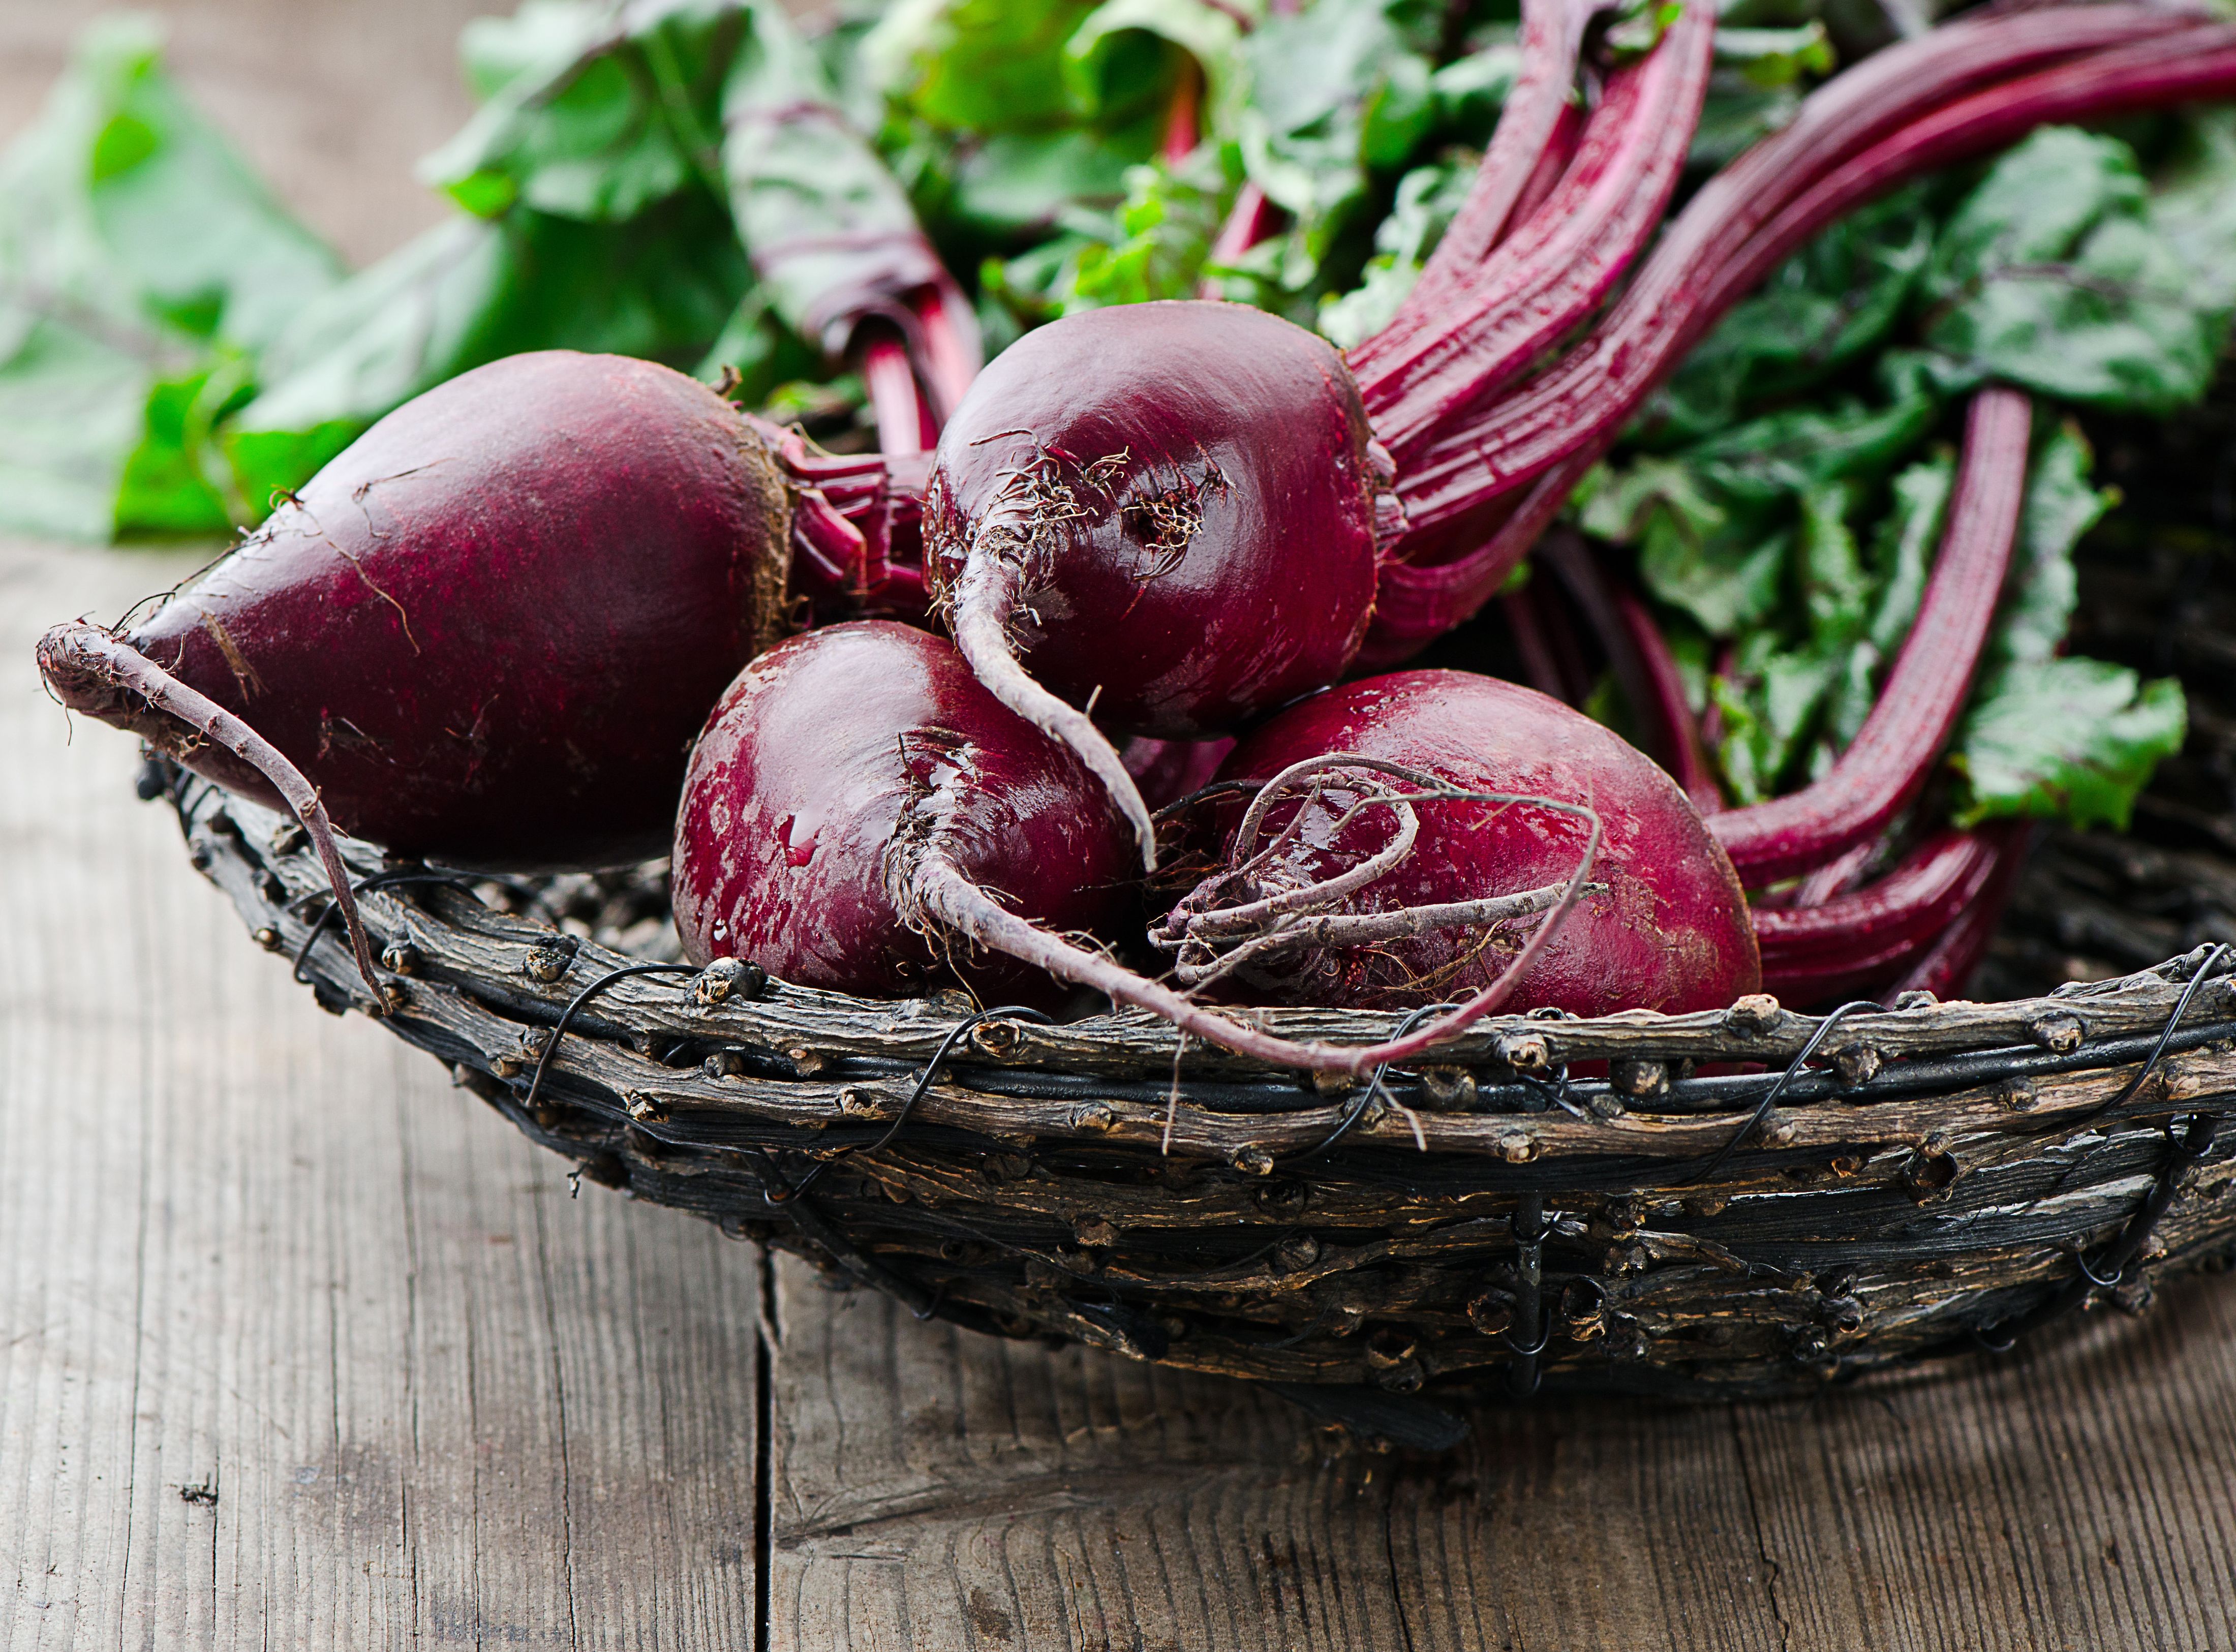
column 95, row 671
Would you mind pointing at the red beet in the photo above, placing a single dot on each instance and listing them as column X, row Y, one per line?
column 487, row 630
column 835, row 766
column 862, row 814
column 1664, row 928
column 486, row 633
column 1169, row 511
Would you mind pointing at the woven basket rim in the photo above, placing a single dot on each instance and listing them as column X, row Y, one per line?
column 1976, row 1165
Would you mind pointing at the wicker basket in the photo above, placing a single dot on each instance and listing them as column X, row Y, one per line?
column 1745, row 1203
column 1880, row 1187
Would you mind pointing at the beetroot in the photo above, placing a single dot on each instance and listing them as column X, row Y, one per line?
column 1168, row 510
column 487, row 630
column 837, row 765
column 862, row 814
column 485, row 633
column 1664, row 928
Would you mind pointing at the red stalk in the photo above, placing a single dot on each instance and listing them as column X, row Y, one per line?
column 1249, row 221
column 1542, row 105
column 1180, row 124
column 1553, row 270
column 1912, row 903
column 1949, row 967
column 947, row 349
column 1540, row 663
column 1553, row 164
column 849, row 510
column 1664, row 706
column 1897, row 949
column 1572, row 562
column 1836, row 877
column 1843, row 151
column 1576, row 411
column 1876, row 778
column 890, row 377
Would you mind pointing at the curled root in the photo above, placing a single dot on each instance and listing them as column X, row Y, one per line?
column 71, row 657
column 985, row 600
column 937, row 890
column 1211, row 940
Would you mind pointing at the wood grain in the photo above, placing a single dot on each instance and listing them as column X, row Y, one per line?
column 936, row 1489
column 255, row 1249
column 250, row 1249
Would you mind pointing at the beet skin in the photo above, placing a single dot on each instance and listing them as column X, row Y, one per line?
column 1190, row 490
column 1669, row 931
column 487, row 630
column 835, row 766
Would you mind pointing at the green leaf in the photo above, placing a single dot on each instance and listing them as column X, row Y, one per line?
column 1469, row 92
column 2072, row 739
column 829, row 227
column 137, row 253
column 2052, row 274
column 1787, row 453
column 1428, row 197
column 984, row 65
column 1128, row 57
column 467, row 292
column 2195, row 207
column 174, row 482
column 627, row 117
column 1013, row 184
column 1334, row 94
column 2041, row 590
column 1821, row 309
column 540, row 38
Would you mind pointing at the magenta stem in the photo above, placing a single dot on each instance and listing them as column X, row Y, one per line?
column 948, row 351
column 890, row 377
column 1898, row 949
column 1554, row 269
column 1924, row 693
column 1665, row 708
column 1914, row 901
column 1909, row 110
column 1182, row 133
column 1249, row 220
column 1538, row 665
column 1947, row 968
column 1544, row 99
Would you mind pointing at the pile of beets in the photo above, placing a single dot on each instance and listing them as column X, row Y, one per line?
column 1099, row 691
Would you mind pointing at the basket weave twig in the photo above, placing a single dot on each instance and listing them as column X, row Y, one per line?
column 1751, row 1201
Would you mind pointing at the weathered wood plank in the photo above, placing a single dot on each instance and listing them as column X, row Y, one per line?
column 968, row 1492
column 250, row 1247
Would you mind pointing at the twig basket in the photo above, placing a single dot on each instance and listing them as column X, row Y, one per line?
column 1750, row 1202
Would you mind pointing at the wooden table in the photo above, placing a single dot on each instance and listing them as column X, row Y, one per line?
column 301, row 1346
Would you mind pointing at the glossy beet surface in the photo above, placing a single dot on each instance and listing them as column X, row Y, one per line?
column 1670, row 931
column 837, row 759
column 1191, row 491
column 488, row 631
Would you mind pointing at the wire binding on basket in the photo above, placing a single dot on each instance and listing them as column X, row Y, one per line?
column 1562, row 1232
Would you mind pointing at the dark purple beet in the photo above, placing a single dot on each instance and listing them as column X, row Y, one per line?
column 1666, row 926
column 841, row 766
column 487, row 632
column 1168, row 510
